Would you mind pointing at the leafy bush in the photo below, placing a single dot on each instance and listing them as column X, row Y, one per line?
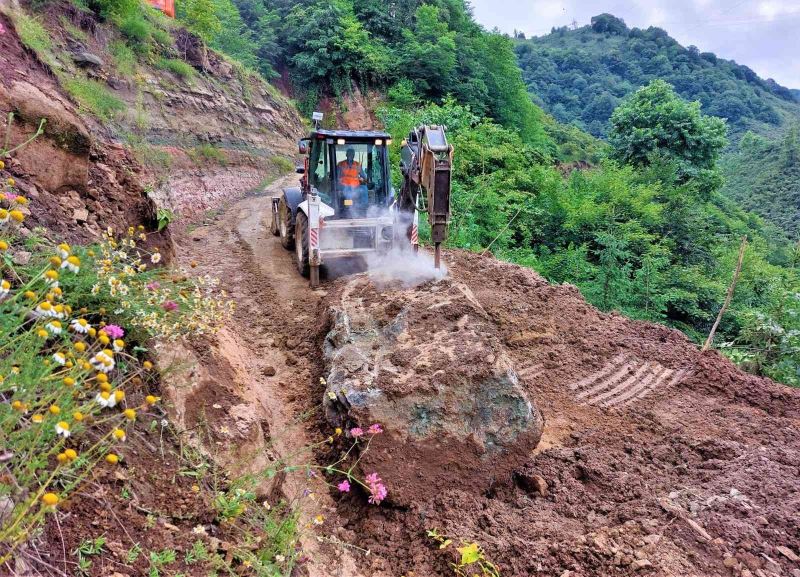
column 94, row 98
column 178, row 67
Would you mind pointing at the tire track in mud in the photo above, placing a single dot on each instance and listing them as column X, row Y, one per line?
column 275, row 326
column 624, row 380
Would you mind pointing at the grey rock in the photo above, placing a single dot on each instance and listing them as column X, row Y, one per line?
column 426, row 364
column 84, row 58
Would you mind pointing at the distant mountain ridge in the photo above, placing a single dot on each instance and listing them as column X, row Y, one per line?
column 581, row 75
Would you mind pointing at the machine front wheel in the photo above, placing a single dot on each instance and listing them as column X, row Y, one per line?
column 301, row 244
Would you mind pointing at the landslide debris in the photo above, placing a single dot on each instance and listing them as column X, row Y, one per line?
column 655, row 458
column 427, row 364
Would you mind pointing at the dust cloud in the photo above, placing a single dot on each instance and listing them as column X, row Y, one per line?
column 402, row 264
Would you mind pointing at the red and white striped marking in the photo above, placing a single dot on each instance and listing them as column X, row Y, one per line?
column 313, row 238
column 415, row 227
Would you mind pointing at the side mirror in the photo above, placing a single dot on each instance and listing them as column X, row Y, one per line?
column 300, row 169
column 303, row 146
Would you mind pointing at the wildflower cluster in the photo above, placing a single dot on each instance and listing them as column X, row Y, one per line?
column 155, row 302
column 71, row 386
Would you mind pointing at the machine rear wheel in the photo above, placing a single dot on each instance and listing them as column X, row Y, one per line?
column 285, row 229
column 301, row 244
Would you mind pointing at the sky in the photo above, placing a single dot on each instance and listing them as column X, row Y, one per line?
column 761, row 34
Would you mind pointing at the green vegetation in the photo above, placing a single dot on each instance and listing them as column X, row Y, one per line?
column 582, row 75
column 764, row 176
column 34, row 36
column 73, row 30
column 206, row 152
column 124, row 58
column 94, row 98
column 178, row 67
column 649, row 235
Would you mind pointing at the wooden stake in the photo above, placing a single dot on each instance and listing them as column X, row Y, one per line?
column 729, row 296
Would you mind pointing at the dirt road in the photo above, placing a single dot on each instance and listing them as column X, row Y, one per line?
column 655, row 459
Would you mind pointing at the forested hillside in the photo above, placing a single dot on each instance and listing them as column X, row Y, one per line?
column 580, row 76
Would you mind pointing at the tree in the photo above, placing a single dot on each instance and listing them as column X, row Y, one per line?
column 200, row 16
column 656, row 122
column 429, row 51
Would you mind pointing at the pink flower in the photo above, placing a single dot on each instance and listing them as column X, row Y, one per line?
column 152, row 286
column 375, row 429
column 113, row 331
column 169, row 306
column 344, row 486
column 377, row 489
column 10, row 196
column 356, row 432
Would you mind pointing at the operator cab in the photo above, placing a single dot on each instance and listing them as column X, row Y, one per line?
column 350, row 171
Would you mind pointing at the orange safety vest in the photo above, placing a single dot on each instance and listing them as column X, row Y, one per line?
column 349, row 174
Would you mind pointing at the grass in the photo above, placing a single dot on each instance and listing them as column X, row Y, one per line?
column 208, row 153
column 284, row 165
column 94, row 98
column 149, row 155
column 178, row 67
column 124, row 58
column 34, row 36
column 73, row 30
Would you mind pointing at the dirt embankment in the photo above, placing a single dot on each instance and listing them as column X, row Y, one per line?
column 188, row 144
column 655, row 459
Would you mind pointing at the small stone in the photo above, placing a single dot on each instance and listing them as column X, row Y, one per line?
column 80, row 215
column 6, row 508
column 269, row 371
column 22, row 257
column 788, row 553
column 638, row 564
column 730, row 562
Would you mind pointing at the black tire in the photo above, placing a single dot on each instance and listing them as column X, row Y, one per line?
column 285, row 229
column 301, row 244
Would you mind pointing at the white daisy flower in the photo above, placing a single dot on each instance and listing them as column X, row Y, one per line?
column 80, row 326
column 155, row 258
column 64, row 250
column 44, row 310
column 72, row 264
column 5, row 288
column 54, row 327
column 105, row 400
column 62, row 429
column 103, row 361
column 60, row 359
column 119, row 345
column 96, row 289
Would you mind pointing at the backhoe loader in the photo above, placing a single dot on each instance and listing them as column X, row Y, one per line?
column 346, row 206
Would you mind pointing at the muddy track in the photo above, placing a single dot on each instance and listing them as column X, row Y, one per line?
column 274, row 330
column 655, row 459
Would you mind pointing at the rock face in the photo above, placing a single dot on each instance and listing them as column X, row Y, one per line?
column 427, row 365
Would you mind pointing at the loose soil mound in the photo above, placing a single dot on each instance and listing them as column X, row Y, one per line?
column 655, row 458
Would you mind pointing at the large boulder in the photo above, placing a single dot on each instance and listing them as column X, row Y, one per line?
column 426, row 364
